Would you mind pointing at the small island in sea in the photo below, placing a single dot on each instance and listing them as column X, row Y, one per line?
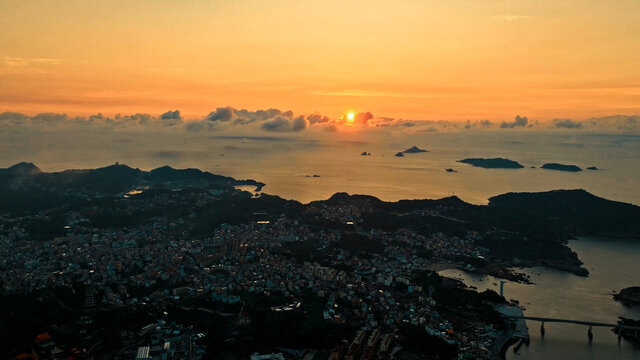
column 592, row 168
column 364, row 153
column 414, row 149
column 629, row 297
column 450, row 170
column 493, row 163
column 561, row 167
column 400, row 154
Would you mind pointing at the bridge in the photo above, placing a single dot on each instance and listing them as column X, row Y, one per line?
column 590, row 324
column 579, row 322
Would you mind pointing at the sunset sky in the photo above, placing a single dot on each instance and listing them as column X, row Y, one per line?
column 420, row 60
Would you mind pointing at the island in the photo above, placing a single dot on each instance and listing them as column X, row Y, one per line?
column 629, row 297
column 493, row 163
column 561, row 167
column 414, row 150
column 592, row 168
column 450, row 170
column 399, row 154
column 364, row 153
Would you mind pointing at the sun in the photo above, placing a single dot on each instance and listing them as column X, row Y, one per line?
column 350, row 117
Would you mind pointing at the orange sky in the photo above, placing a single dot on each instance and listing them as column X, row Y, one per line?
column 451, row 60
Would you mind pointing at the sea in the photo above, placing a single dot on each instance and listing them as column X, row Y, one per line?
column 613, row 264
column 287, row 163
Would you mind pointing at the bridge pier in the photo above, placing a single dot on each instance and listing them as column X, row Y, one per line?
column 619, row 335
column 542, row 329
column 590, row 334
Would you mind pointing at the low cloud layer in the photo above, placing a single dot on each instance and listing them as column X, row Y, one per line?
column 567, row 123
column 241, row 121
column 283, row 124
column 519, row 121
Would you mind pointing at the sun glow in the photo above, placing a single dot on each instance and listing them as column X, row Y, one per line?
column 351, row 117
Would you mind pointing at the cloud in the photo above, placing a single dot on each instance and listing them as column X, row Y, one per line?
column 246, row 117
column 231, row 121
column 567, row 123
column 48, row 118
column 317, row 119
column 284, row 124
column 171, row 118
column 13, row 117
column 510, row 17
column 626, row 123
column 221, row 114
column 373, row 93
column 363, row 117
column 14, row 61
column 129, row 120
column 330, row 127
column 272, row 120
column 519, row 121
column 482, row 123
column 25, row 66
column 171, row 115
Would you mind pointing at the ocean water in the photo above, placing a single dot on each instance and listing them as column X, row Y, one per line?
column 613, row 264
column 287, row 162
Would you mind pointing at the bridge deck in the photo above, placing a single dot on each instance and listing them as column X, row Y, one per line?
column 579, row 322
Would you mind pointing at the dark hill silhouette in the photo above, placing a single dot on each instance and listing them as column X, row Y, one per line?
column 23, row 169
column 167, row 173
column 111, row 180
column 17, row 173
column 576, row 209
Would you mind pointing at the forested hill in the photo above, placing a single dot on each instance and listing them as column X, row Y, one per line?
column 577, row 210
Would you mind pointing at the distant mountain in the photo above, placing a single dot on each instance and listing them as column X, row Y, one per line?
column 576, row 209
column 561, row 167
column 16, row 172
column 413, row 150
column 24, row 168
column 494, row 163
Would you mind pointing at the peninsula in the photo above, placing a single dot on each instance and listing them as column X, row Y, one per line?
column 629, row 297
